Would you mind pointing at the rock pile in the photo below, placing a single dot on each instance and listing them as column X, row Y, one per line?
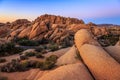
column 48, row 27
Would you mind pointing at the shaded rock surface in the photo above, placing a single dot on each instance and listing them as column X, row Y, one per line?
column 114, row 51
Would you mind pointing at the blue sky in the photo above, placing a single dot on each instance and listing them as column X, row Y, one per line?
column 98, row 11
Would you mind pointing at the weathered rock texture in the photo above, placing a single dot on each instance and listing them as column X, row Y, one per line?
column 48, row 27
column 99, row 62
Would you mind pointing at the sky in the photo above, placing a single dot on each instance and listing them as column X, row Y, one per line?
column 97, row 11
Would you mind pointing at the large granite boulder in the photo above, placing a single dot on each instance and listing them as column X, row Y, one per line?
column 98, row 61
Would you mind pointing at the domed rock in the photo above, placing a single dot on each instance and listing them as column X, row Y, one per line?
column 69, row 57
column 84, row 37
column 68, row 72
column 100, row 63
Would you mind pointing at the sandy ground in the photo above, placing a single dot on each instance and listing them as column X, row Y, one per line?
column 32, row 74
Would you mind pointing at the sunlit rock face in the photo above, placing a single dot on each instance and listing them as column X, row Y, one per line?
column 49, row 27
column 98, row 60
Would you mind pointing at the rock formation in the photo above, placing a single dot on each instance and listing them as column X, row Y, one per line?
column 69, row 57
column 99, row 62
column 114, row 51
column 49, row 27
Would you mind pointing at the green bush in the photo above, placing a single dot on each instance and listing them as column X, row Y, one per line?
column 18, row 65
column 11, row 66
column 2, row 60
column 49, row 62
column 53, row 47
column 30, row 54
column 9, row 49
column 47, row 65
column 107, row 40
column 39, row 55
column 39, row 64
column 23, row 66
column 52, row 58
column 26, row 42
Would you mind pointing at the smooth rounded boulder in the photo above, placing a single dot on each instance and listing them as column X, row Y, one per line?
column 98, row 61
column 114, row 51
column 69, row 57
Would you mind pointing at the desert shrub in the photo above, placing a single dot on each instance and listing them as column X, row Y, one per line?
column 11, row 66
column 3, row 78
column 30, row 54
column 16, row 39
column 23, row 57
column 53, row 47
column 39, row 55
column 107, row 40
column 52, row 58
column 15, row 65
column 18, row 65
column 23, row 66
column 32, row 63
column 26, row 42
column 2, row 60
column 39, row 64
column 49, row 63
column 9, row 49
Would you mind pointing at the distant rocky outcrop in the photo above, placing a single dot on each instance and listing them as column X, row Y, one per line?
column 2, row 24
column 46, row 27
column 49, row 27
column 55, row 28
